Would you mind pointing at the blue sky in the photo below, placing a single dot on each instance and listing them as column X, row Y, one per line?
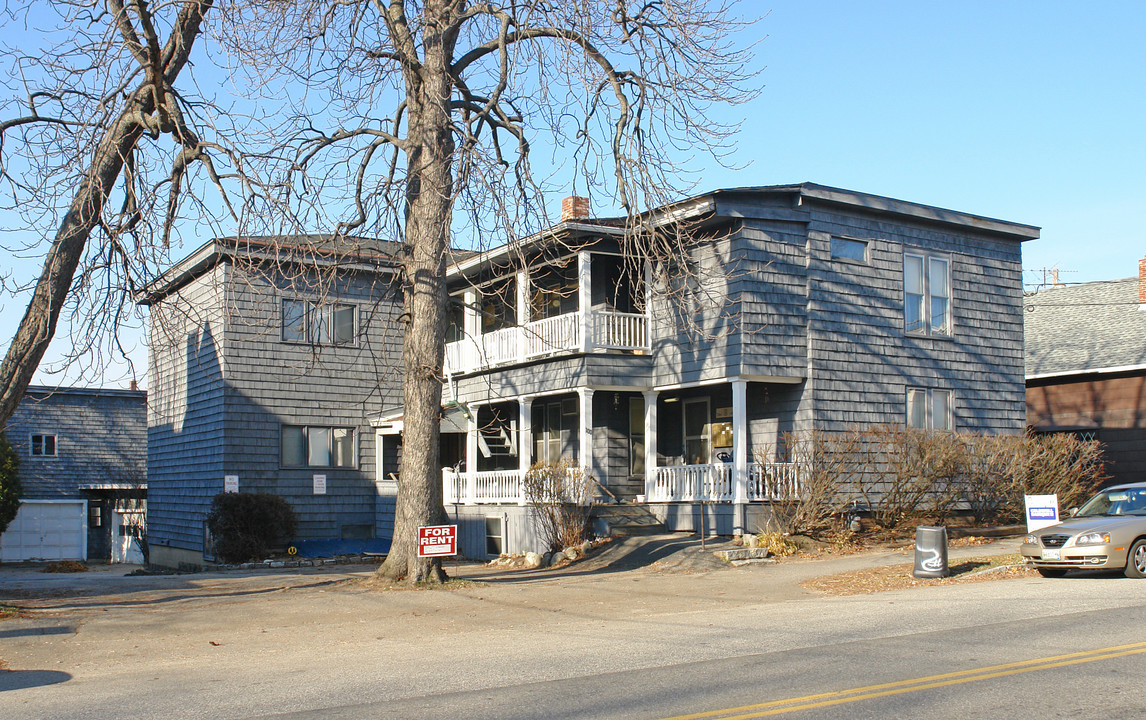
column 1026, row 111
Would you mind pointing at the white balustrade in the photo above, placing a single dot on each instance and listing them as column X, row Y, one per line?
column 562, row 333
column 553, row 334
column 495, row 486
column 623, row 331
column 702, row 483
column 774, row 481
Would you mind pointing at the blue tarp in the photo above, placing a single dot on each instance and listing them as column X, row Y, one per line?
column 333, row 548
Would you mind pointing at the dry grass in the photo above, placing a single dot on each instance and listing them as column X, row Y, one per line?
column 65, row 566
column 8, row 612
column 899, row 577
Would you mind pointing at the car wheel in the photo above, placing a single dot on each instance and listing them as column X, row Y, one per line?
column 1136, row 560
column 1052, row 572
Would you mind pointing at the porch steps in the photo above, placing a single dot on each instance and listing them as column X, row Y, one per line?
column 625, row 520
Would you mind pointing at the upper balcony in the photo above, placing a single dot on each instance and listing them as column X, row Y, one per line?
column 587, row 303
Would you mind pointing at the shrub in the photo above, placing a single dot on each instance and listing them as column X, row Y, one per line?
column 826, row 461
column 10, row 489
column 247, row 526
column 558, row 493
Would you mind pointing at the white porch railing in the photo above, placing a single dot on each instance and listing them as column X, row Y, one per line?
column 552, row 334
column 716, row 482
column 562, row 333
column 693, row 483
column 496, row 486
column 774, row 481
column 620, row 330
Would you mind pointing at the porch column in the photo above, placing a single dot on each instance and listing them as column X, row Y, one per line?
column 524, row 441
column 585, row 300
column 471, row 457
column 522, row 313
column 471, row 325
column 650, row 442
column 648, row 307
column 585, row 441
column 739, row 452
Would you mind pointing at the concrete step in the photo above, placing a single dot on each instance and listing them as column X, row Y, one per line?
column 625, row 520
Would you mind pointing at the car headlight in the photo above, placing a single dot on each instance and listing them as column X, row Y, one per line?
column 1092, row 539
column 1032, row 539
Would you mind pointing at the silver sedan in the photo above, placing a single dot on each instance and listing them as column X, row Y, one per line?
column 1108, row 532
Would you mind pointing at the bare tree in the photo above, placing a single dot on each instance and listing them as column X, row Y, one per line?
column 103, row 139
column 429, row 114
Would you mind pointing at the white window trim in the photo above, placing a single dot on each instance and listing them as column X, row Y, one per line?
column 925, row 261
column 353, row 446
column 929, row 408
column 32, row 445
column 310, row 329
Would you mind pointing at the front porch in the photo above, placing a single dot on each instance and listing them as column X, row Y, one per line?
column 712, row 482
column 585, row 303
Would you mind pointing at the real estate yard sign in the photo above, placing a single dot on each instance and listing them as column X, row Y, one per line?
column 438, row 541
column 1042, row 511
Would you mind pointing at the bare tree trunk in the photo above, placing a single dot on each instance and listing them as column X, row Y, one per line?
column 39, row 322
column 429, row 210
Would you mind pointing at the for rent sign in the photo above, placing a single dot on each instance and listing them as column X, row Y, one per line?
column 438, row 541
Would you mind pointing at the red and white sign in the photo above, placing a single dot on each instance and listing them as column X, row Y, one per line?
column 437, row 540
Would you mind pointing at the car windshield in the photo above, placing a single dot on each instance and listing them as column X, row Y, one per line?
column 1124, row 501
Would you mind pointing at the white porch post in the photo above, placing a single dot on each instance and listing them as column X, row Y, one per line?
column 648, row 308
column 650, row 443
column 471, row 457
column 585, row 447
column 524, row 441
column 585, row 299
column 739, row 451
column 522, row 312
column 470, row 355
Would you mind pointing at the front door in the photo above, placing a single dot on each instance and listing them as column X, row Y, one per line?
column 697, row 443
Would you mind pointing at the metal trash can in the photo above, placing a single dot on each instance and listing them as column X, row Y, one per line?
column 931, row 552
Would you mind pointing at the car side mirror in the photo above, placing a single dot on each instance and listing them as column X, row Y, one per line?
column 1072, row 512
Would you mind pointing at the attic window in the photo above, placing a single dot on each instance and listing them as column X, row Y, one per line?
column 849, row 249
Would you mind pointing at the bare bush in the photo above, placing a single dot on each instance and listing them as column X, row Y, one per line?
column 826, row 461
column 559, row 493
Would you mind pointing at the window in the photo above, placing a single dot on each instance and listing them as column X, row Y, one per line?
column 554, row 427
column 929, row 409
column 926, row 295
column 697, row 443
column 849, row 249
column 317, row 446
column 494, row 536
column 43, row 445
column 306, row 321
column 636, row 436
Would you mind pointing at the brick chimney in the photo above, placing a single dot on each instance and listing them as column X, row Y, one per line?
column 1142, row 283
column 574, row 207
column 134, row 385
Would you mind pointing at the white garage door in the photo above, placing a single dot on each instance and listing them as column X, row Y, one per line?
column 46, row 530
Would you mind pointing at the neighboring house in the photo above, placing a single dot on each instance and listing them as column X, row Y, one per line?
column 269, row 357
column 1086, row 367
column 841, row 309
column 83, row 467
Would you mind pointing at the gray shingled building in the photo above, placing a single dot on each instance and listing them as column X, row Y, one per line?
column 840, row 308
column 83, row 467
column 269, row 358
column 1086, row 367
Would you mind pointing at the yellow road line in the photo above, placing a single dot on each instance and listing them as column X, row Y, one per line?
column 867, row 692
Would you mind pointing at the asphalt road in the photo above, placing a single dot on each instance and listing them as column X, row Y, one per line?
column 666, row 641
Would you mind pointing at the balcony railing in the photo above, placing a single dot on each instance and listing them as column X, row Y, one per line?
column 548, row 336
column 716, row 483
column 496, row 486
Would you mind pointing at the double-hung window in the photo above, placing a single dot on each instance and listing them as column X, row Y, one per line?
column 317, row 446
column 321, row 324
column 43, row 445
column 929, row 409
column 926, row 295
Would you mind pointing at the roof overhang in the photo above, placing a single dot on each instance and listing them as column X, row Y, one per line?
column 1115, row 370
